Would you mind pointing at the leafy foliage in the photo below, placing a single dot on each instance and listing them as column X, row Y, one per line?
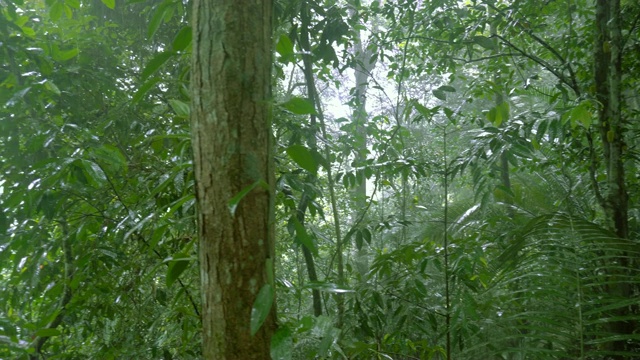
column 480, row 232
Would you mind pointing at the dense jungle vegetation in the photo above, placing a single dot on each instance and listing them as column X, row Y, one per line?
column 452, row 179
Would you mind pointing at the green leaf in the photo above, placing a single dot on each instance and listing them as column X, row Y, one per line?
column 182, row 39
column 499, row 114
column 158, row 17
column 63, row 55
column 302, row 237
column 485, row 42
column 177, row 265
column 47, row 332
column 282, row 344
column 439, row 94
column 299, row 106
column 93, row 173
column 154, row 64
column 181, row 109
column 447, row 88
column 49, row 85
column 55, row 11
column 261, row 308
column 303, row 157
column 111, row 4
column 284, row 47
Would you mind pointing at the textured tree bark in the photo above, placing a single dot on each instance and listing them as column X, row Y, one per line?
column 230, row 119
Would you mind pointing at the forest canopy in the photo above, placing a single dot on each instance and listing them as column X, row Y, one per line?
column 443, row 179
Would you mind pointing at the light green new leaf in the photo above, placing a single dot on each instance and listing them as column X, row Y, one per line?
column 111, row 4
column 182, row 109
column 155, row 63
column 299, row 106
column 261, row 308
column 303, row 157
column 282, row 344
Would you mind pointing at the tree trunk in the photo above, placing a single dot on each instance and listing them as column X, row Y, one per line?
column 231, row 83
column 608, row 84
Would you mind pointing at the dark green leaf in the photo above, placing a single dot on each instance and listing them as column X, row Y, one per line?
column 303, row 157
column 299, row 106
column 439, row 94
column 261, row 308
column 155, row 64
column 177, row 265
column 447, row 88
column 182, row 39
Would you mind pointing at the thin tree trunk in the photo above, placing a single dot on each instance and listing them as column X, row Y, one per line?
column 231, row 83
column 608, row 82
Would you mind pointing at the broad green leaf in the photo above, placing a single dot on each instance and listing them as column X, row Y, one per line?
column 55, row 11
column 439, row 94
column 499, row 114
column 93, row 173
column 68, row 12
column 182, row 39
column 284, row 47
column 261, row 308
column 63, row 55
column 485, row 42
column 154, row 64
column 299, row 106
column 177, row 265
column 111, row 4
column 282, row 344
column 181, row 109
column 303, row 157
column 47, row 332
